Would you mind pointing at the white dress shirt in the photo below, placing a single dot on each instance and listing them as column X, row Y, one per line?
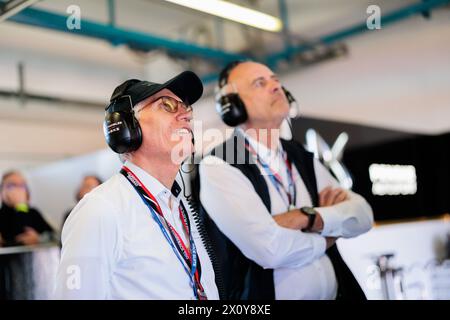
column 113, row 249
column 301, row 268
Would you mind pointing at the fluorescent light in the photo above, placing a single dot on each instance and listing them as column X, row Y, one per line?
column 390, row 179
column 234, row 12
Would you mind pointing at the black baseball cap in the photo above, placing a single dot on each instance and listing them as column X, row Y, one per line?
column 187, row 86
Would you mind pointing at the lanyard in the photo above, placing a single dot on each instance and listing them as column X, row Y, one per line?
column 188, row 258
column 275, row 178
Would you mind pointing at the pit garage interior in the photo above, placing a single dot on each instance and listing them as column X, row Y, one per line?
column 379, row 94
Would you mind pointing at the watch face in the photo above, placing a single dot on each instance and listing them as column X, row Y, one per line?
column 308, row 210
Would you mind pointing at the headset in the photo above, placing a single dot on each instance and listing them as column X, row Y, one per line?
column 230, row 106
column 120, row 127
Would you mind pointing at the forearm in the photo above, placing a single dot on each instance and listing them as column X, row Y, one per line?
column 349, row 218
column 346, row 219
column 248, row 223
column 293, row 219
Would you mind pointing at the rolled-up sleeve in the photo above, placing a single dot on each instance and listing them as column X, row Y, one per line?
column 347, row 219
column 232, row 203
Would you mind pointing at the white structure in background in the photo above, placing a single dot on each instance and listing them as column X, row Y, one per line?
column 53, row 186
column 330, row 157
column 416, row 269
column 416, row 280
column 388, row 179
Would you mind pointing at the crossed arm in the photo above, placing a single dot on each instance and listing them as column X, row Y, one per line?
column 341, row 213
column 238, row 211
column 296, row 220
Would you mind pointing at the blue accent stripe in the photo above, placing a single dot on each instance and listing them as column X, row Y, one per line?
column 116, row 35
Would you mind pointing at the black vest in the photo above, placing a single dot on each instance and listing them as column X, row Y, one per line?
column 239, row 278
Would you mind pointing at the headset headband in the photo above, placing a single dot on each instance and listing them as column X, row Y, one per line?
column 120, row 90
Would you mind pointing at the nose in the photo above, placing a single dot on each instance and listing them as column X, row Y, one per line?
column 185, row 115
column 275, row 86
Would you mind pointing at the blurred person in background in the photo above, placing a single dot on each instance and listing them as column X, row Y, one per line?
column 20, row 224
column 88, row 183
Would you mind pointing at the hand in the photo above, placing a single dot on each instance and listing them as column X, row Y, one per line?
column 293, row 219
column 28, row 237
column 330, row 196
column 330, row 241
column 16, row 196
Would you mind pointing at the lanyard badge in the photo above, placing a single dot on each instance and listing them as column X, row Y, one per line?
column 188, row 258
column 275, row 178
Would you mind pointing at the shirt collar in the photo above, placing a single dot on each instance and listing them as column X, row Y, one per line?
column 150, row 182
column 264, row 152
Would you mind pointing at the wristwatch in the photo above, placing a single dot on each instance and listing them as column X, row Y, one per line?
column 311, row 213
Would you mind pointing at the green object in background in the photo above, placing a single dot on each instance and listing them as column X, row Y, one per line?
column 22, row 207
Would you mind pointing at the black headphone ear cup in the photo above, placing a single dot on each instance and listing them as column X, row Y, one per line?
column 122, row 131
column 136, row 133
column 232, row 110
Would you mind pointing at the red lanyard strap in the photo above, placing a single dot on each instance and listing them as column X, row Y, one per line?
column 275, row 178
column 190, row 257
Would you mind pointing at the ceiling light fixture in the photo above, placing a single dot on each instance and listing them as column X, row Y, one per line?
column 234, row 12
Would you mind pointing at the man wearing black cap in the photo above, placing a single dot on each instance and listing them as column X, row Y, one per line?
column 133, row 236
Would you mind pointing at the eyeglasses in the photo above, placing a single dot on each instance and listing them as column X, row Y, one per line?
column 11, row 185
column 171, row 105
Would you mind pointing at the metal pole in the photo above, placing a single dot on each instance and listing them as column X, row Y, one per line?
column 13, row 7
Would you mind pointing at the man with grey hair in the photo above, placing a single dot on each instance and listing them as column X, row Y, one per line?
column 133, row 237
